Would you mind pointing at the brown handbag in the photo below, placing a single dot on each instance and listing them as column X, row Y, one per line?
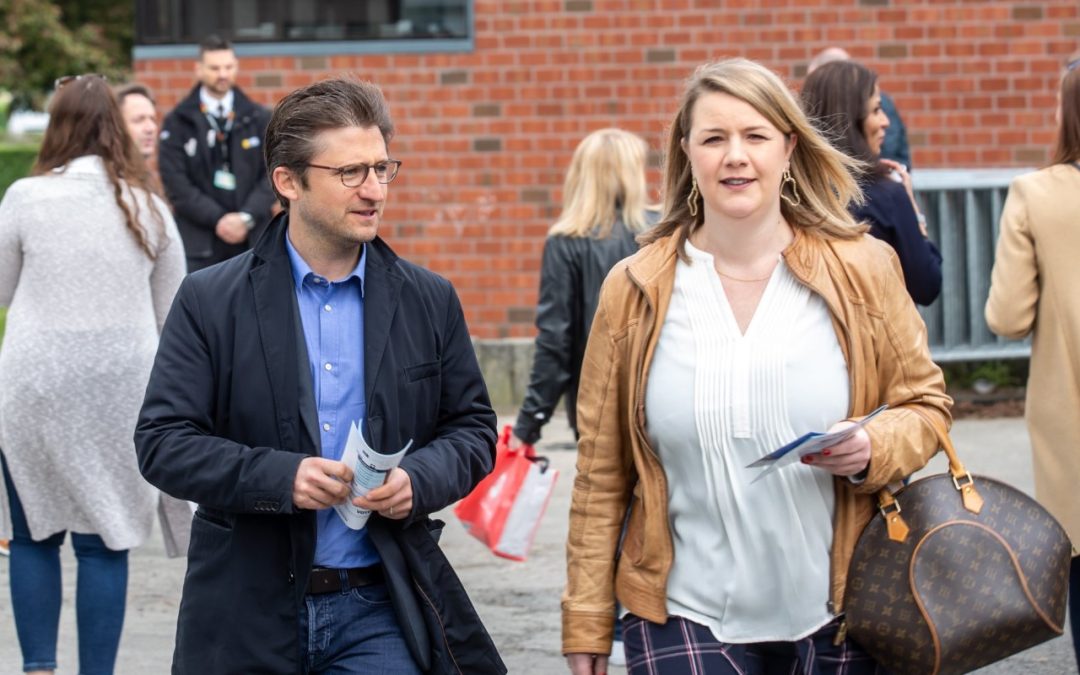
column 959, row 578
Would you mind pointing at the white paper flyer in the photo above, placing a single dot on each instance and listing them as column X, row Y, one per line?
column 369, row 472
column 807, row 444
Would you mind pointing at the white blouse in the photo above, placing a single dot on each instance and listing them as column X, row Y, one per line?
column 751, row 561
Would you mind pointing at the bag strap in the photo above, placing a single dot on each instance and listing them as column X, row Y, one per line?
column 890, row 508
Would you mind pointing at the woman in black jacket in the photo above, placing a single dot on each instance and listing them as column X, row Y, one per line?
column 604, row 208
column 844, row 98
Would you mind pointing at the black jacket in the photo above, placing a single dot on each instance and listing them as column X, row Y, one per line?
column 891, row 217
column 229, row 415
column 187, row 165
column 571, row 273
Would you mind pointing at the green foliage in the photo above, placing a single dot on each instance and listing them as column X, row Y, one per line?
column 15, row 163
column 115, row 20
column 1000, row 373
column 3, row 322
column 36, row 47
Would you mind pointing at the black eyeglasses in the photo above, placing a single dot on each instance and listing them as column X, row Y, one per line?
column 67, row 79
column 354, row 175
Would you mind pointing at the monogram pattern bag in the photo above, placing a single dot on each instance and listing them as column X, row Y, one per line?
column 955, row 573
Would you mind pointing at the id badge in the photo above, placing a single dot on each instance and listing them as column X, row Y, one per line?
column 224, row 180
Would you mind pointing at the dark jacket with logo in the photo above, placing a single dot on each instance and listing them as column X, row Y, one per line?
column 229, row 415
column 187, row 164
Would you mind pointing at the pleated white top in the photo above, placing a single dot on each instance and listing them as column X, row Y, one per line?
column 751, row 561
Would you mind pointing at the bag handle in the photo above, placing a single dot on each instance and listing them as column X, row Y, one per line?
column 890, row 508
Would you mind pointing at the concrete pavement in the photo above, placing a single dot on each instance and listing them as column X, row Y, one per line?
column 518, row 601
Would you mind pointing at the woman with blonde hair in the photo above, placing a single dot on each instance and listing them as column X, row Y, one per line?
column 756, row 311
column 1033, row 292
column 89, row 262
column 605, row 205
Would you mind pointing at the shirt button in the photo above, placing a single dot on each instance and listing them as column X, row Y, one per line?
column 328, row 367
column 327, row 307
column 326, row 426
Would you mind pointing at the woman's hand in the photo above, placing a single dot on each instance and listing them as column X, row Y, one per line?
column 587, row 664
column 848, row 457
column 905, row 179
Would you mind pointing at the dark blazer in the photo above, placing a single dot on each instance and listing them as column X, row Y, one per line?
column 891, row 217
column 187, row 166
column 228, row 417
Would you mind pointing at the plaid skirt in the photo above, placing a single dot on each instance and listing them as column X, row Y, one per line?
column 682, row 647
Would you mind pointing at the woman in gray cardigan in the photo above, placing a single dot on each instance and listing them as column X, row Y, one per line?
column 89, row 262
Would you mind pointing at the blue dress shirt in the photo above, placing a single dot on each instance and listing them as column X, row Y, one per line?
column 332, row 314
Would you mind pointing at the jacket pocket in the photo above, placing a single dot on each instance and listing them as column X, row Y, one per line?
column 213, row 520
column 435, row 528
column 422, row 371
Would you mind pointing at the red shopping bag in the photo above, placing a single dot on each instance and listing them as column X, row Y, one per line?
column 504, row 510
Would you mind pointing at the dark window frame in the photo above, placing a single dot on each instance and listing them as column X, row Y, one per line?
column 256, row 48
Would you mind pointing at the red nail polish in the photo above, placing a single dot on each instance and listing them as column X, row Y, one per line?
column 826, row 453
column 807, row 460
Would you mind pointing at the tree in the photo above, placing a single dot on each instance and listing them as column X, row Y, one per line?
column 115, row 20
column 36, row 47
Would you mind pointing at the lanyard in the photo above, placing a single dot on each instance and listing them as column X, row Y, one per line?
column 222, row 134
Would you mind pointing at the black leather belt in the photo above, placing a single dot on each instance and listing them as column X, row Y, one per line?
column 326, row 580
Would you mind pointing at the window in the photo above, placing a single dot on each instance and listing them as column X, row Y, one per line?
column 177, row 22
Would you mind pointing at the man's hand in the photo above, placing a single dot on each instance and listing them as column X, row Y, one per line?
column 587, row 664
column 848, row 457
column 231, row 229
column 392, row 499
column 320, row 483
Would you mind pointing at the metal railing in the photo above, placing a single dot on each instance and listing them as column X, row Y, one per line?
column 963, row 213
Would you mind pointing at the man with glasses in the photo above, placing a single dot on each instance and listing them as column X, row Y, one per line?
column 264, row 364
column 211, row 163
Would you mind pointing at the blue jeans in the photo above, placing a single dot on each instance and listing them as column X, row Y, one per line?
column 353, row 631
column 101, row 589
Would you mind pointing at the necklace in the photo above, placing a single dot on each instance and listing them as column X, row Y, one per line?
column 745, row 281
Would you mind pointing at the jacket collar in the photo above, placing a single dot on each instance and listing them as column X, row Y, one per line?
column 654, row 263
column 272, row 279
column 271, row 246
column 87, row 165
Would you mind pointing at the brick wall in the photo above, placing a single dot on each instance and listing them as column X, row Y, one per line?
column 486, row 136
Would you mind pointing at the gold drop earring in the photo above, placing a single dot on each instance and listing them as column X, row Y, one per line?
column 788, row 178
column 692, row 198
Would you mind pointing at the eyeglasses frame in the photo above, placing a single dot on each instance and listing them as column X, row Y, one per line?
column 340, row 171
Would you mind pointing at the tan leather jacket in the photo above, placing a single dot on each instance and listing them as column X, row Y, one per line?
column 884, row 342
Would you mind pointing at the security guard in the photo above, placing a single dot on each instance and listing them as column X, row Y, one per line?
column 211, row 161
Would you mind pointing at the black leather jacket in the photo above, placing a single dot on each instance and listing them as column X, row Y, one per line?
column 571, row 274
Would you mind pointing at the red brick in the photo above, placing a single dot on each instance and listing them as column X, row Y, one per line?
column 971, row 78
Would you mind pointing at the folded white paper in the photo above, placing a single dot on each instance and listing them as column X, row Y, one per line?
column 369, row 472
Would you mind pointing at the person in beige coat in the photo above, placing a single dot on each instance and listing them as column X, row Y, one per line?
column 1033, row 291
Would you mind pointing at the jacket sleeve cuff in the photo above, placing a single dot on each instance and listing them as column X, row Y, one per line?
column 528, row 427
column 587, row 632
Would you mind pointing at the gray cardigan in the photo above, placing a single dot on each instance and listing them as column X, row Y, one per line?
column 86, row 305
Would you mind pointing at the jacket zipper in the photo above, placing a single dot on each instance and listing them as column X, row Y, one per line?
column 442, row 628
column 834, row 606
column 639, row 395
